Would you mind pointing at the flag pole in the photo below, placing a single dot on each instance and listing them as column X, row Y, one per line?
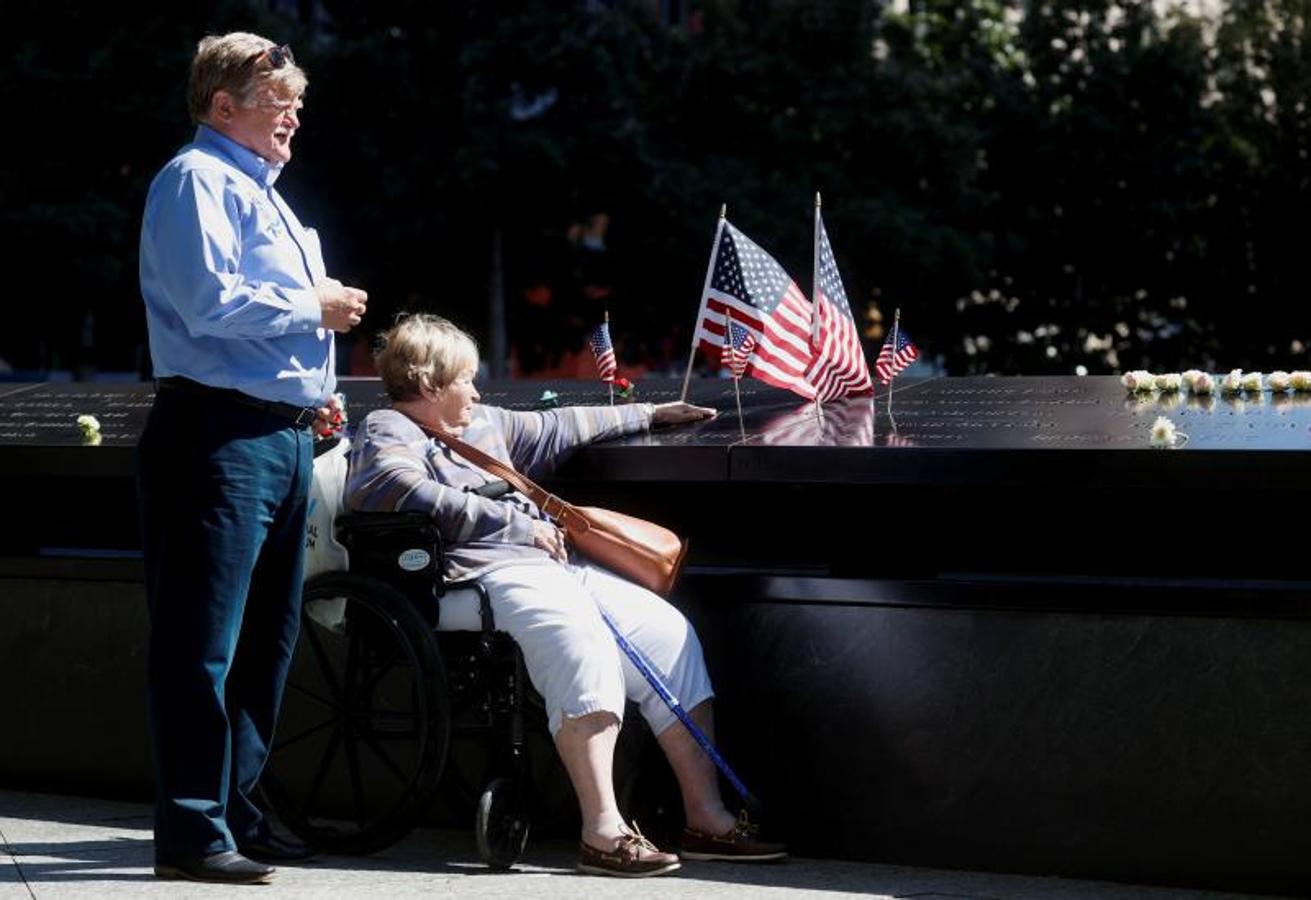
column 710, row 271
column 611, row 383
column 814, row 298
column 737, row 393
column 737, row 381
column 896, row 330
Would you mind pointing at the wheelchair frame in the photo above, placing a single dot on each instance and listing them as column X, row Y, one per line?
column 376, row 691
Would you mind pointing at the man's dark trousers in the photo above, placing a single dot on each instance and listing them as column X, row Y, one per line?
column 223, row 491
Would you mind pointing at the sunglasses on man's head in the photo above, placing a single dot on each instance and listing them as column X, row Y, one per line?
column 280, row 56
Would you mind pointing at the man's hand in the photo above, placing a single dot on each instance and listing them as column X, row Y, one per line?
column 342, row 306
column 677, row 413
column 331, row 417
column 550, row 538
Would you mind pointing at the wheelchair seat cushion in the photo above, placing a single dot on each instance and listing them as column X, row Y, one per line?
column 460, row 610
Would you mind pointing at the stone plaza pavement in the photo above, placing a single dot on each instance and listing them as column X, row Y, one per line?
column 53, row 847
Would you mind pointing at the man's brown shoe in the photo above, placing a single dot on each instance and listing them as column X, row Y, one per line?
column 738, row 844
column 633, row 857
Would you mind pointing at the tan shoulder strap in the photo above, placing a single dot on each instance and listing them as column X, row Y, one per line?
column 549, row 503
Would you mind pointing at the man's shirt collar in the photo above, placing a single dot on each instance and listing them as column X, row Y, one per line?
column 245, row 159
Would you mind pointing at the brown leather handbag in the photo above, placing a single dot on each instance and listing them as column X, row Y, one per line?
column 643, row 552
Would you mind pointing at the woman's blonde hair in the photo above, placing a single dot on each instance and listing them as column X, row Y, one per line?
column 239, row 63
column 422, row 351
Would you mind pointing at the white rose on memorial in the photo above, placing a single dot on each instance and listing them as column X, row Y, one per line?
column 1300, row 380
column 1203, row 383
column 1190, row 377
column 1279, row 381
column 90, row 428
column 1169, row 382
column 1138, row 380
column 1163, row 433
column 1233, row 382
column 1252, row 382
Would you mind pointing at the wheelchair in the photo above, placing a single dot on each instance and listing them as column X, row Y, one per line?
column 390, row 665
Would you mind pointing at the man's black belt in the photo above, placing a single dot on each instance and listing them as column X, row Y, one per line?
column 300, row 416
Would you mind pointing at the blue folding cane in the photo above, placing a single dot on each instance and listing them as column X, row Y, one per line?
column 648, row 671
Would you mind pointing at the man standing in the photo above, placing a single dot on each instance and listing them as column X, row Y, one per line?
column 241, row 313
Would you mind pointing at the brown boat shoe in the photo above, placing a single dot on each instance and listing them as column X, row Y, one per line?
column 738, row 844
column 633, row 857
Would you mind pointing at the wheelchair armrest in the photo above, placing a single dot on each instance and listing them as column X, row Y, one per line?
column 371, row 523
column 404, row 548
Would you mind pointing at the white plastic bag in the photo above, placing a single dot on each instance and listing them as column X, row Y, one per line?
column 323, row 552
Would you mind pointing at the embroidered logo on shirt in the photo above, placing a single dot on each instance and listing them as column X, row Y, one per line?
column 272, row 221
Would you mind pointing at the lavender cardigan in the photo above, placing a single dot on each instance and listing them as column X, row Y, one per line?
column 395, row 466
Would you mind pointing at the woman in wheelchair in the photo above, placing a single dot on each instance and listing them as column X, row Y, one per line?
column 543, row 598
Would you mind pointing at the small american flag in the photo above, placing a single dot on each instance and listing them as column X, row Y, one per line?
column 738, row 344
column 604, row 351
column 891, row 361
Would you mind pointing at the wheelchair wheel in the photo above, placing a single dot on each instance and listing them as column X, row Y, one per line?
column 365, row 723
column 501, row 824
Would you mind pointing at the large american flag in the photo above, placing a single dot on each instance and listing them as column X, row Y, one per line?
column 767, row 302
column 738, row 344
column 892, row 361
column 604, row 352
column 838, row 368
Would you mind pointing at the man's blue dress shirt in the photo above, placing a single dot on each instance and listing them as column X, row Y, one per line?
column 228, row 274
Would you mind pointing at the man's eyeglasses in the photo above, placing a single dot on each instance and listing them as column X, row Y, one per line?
column 282, row 107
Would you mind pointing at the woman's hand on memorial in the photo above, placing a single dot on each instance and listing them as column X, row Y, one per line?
column 677, row 413
column 548, row 537
column 342, row 307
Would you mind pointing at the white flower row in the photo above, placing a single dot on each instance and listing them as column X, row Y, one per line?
column 1198, row 382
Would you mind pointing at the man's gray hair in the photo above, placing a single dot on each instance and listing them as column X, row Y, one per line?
column 238, row 63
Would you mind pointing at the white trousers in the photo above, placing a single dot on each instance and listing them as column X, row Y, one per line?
column 571, row 656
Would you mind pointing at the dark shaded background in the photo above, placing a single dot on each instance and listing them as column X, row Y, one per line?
column 1039, row 186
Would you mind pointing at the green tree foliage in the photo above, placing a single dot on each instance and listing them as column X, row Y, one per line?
column 1038, row 185
column 94, row 104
